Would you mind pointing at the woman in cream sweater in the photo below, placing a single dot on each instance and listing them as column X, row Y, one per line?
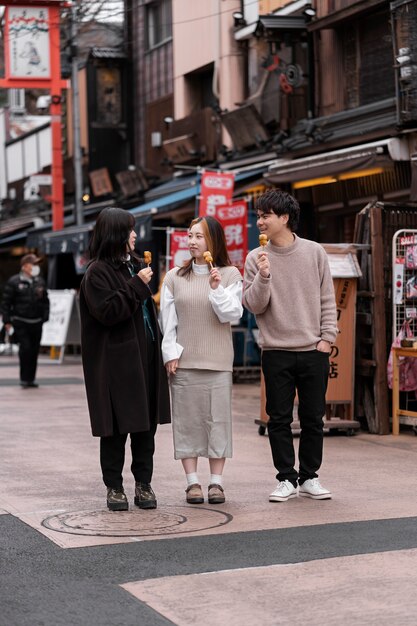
column 198, row 303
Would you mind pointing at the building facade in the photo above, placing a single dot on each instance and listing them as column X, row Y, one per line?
column 344, row 101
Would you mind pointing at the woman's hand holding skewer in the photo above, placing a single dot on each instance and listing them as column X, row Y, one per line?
column 146, row 275
column 215, row 278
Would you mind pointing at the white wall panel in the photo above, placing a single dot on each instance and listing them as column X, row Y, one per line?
column 250, row 11
column 45, row 147
column 30, row 156
column 14, row 162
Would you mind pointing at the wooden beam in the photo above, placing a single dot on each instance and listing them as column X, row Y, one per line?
column 380, row 348
column 335, row 18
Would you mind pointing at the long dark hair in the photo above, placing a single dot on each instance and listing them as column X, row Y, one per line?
column 216, row 243
column 111, row 235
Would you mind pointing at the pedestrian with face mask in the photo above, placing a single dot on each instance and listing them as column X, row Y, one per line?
column 25, row 308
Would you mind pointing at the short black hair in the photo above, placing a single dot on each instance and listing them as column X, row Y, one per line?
column 280, row 203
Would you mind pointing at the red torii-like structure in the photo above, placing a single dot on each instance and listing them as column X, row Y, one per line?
column 30, row 22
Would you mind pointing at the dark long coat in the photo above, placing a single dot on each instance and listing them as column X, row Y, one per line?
column 114, row 351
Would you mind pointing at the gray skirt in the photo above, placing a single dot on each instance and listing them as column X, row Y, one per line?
column 201, row 413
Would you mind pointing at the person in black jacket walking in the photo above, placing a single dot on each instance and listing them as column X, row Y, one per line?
column 25, row 308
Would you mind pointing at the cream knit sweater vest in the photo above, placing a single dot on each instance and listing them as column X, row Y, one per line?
column 207, row 342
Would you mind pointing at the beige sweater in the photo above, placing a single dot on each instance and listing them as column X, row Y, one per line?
column 207, row 342
column 296, row 306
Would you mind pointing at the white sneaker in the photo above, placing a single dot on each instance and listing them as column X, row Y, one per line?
column 311, row 488
column 283, row 492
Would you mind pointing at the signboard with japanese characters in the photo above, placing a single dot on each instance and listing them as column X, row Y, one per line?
column 345, row 271
column 63, row 326
column 178, row 248
column 340, row 384
column 28, row 41
column 100, row 182
column 233, row 218
column 216, row 190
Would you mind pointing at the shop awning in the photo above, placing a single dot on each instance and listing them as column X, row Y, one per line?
column 275, row 21
column 76, row 239
column 329, row 164
column 69, row 240
column 32, row 236
column 172, row 200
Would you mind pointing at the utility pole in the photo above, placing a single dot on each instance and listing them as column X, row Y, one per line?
column 78, row 171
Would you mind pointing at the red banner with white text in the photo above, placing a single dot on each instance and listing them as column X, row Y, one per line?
column 216, row 189
column 178, row 248
column 234, row 218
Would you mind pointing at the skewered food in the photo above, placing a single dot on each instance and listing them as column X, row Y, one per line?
column 263, row 240
column 147, row 257
column 208, row 258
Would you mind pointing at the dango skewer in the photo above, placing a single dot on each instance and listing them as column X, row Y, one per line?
column 208, row 259
column 147, row 257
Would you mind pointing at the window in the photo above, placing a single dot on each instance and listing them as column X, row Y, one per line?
column 158, row 22
column 199, row 85
column 17, row 100
column 368, row 61
column 109, row 96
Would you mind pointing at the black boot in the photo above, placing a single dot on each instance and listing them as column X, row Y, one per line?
column 116, row 499
column 144, row 496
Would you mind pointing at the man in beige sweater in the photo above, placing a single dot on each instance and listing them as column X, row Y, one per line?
column 289, row 288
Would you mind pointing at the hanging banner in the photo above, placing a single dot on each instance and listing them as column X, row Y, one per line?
column 234, row 218
column 216, row 189
column 178, row 248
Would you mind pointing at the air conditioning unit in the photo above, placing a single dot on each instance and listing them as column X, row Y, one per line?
column 156, row 140
column 17, row 101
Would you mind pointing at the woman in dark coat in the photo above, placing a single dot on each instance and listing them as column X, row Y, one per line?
column 126, row 382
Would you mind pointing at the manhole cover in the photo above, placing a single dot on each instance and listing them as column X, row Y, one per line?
column 137, row 523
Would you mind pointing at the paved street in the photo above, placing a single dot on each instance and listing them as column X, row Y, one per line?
column 67, row 561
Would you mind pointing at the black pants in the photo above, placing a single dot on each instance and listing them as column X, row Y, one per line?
column 29, row 339
column 142, row 444
column 285, row 373
column 112, row 457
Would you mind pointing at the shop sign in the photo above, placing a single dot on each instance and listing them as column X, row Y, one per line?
column 216, row 189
